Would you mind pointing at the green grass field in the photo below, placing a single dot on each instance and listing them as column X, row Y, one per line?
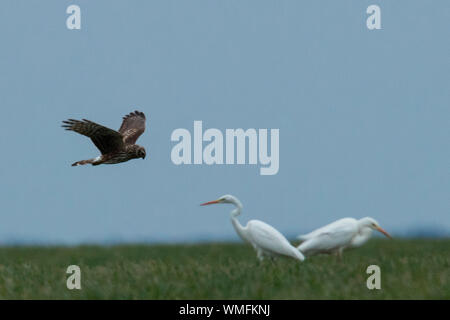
column 410, row 269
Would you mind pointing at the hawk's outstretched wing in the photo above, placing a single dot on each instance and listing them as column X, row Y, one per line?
column 132, row 127
column 105, row 139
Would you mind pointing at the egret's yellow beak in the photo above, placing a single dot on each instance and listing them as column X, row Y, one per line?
column 210, row 202
column 384, row 232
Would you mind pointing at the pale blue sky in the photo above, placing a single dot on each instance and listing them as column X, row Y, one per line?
column 364, row 116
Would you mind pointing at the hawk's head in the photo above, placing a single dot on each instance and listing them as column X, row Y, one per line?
column 140, row 152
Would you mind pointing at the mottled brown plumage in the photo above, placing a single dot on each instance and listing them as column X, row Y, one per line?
column 115, row 146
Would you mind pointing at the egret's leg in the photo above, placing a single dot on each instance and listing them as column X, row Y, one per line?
column 339, row 254
column 260, row 254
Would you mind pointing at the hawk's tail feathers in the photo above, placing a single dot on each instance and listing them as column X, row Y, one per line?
column 83, row 162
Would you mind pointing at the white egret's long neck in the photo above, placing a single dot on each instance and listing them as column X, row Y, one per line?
column 240, row 230
column 361, row 225
column 364, row 226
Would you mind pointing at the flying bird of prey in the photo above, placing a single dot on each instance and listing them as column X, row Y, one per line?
column 115, row 146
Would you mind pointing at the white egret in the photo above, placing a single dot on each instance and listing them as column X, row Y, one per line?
column 265, row 239
column 338, row 235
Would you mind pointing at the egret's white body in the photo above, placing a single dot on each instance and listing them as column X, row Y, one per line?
column 264, row 238
column 362, row 237
column 338, row 235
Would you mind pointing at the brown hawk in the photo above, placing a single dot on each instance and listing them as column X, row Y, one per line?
column 115, row 146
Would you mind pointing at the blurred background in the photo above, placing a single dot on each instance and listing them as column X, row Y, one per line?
column 364, row 116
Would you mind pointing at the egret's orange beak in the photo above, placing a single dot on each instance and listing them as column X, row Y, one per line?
column 384, row 232
column 210, row 202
